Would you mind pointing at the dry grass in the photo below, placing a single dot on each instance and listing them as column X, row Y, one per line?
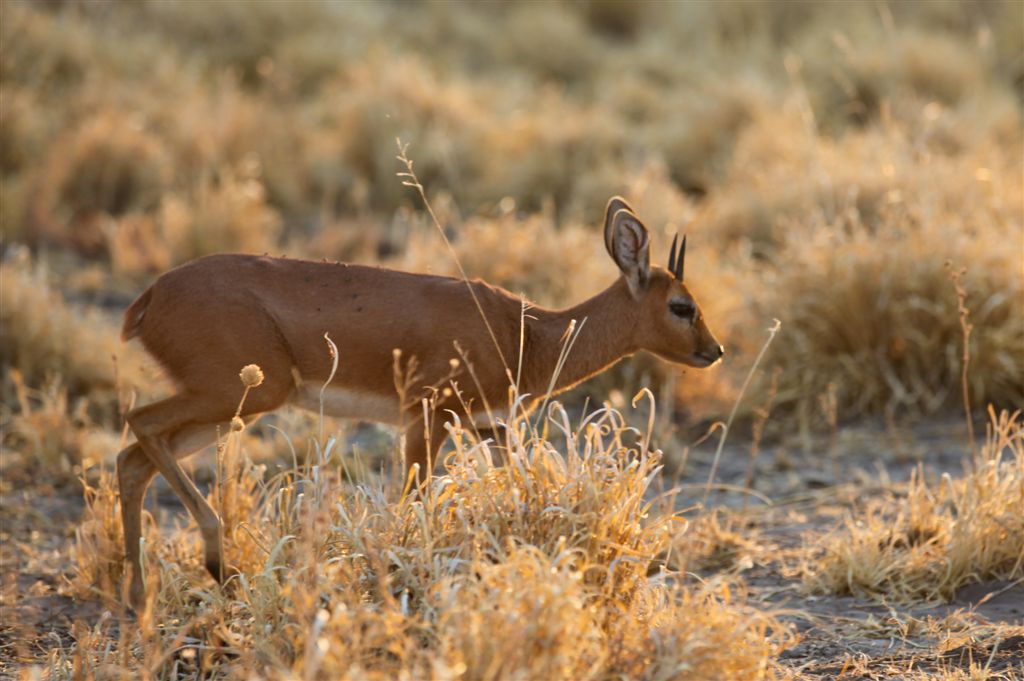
column 538, row 569
column 47, row 339
column 850, row 137
column 826, row 160
column 941, row 537
column 46, row 433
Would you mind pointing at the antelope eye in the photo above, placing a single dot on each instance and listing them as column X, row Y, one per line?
column 683, row 309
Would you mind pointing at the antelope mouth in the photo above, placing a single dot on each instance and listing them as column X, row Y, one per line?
column 703, row 360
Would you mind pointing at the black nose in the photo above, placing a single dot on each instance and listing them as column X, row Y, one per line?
column 721, row 352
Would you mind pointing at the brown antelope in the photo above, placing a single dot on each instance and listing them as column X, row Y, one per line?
column 204, row 320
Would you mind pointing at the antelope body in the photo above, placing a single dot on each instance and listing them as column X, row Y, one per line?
column 206, row 319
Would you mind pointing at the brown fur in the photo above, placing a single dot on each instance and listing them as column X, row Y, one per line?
column 205, row 320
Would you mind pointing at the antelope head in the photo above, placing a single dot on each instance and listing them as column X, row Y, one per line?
column 670, row 322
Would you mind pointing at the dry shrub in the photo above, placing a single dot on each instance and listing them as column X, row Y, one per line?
column 20, row 142
column 865, row 71
column 852, row 260
column 617, row 18
column 479, row 142
column 374, row 102
column 45, row 434
column 877, row 318
column 549, row 40
column 19, row 132
column 41, row 335
column 32, row 57
column 98, row 549
column 715, row 541
column 786, row 180
column 504, row 251
column 107, row 167
column 527, row 617
column 226, row 212
column 233, row 33
column 698, row 141
column 941, row 537
column 538, row 569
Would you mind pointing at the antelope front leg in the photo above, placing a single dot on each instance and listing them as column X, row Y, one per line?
column 163, row 459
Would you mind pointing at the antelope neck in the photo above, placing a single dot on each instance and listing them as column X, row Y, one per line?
column 606, row 336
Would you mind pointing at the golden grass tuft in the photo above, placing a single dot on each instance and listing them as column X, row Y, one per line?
column 535, row 570
column 878, row 319
column 43, row 336
column 826, row 159
column 716, row 541
column 98, row 550
column 941, row 537
column 46, row 432
column 225, row 211
column 109, row 167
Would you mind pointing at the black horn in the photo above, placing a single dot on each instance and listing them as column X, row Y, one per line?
column 678, row 270
column 672, row 255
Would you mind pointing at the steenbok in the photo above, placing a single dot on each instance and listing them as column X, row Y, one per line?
column 207, row 318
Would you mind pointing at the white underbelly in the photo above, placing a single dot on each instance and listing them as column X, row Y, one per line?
column 364, row 406
column 349, row 404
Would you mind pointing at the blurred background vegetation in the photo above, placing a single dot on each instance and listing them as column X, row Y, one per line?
column 826, row 160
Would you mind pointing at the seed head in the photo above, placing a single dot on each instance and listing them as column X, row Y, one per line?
column 251, row 375
column 237, row 425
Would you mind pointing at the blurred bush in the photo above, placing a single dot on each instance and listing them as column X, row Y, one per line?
column 847, row 148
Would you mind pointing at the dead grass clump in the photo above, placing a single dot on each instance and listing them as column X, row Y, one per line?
column 703, row 633
column 870, row 68
column 941, row 537
column 233, row 34
column 877, row 318
column 108, row 167
column 588, row 503
column 46, row 434
column 41, row 335
column 502, row 251
column 535, row 570
column 551, row 41
column 225, row 212
column 98, row 549
column 715, row 541
column 527, row 617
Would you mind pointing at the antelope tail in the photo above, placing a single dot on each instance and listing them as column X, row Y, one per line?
column 134, row 314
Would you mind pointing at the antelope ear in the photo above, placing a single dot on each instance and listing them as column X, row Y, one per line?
column 615, row 204
column 630, row 249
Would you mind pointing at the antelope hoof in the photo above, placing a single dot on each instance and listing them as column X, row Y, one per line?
column 221, row 573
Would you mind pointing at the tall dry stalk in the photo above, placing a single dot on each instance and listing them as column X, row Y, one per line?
column 956, row 276
column 774, row 329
